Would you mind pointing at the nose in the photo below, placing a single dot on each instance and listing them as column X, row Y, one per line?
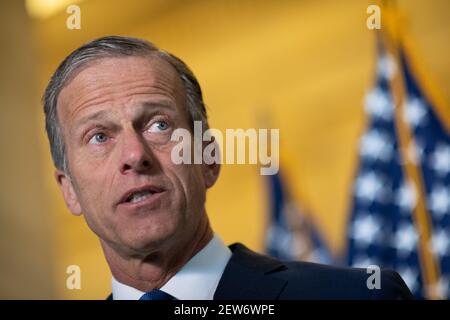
column 136, row 155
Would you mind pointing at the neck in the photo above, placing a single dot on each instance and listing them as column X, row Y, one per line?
column 154, row 269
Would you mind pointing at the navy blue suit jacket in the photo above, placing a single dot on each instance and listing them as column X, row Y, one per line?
column 252, row 276
column 249, row 275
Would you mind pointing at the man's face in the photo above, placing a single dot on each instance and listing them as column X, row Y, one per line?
column 117, row 116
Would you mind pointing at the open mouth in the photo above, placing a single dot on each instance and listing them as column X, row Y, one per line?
column 139, row 196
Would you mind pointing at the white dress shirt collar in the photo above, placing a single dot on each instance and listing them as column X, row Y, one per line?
column 196, row 280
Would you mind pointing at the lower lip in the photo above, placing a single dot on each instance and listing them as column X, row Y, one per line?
column 150, row 201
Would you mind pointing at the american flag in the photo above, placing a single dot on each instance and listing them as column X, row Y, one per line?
column 290, row 234
column 383, row 229
column 279, row 236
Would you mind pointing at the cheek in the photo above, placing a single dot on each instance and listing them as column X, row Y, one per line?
column 95, row 205
column 185, row 179
column 93, row 188
column 191, row 182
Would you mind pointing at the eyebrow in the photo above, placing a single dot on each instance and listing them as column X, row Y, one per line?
column 160, row 104
column 94, row 116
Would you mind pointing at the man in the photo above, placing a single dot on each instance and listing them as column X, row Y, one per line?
column 111, row 108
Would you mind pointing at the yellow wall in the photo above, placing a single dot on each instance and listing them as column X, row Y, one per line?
column 305, row 64
column 27, row 254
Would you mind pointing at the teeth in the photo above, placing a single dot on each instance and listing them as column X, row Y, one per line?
column 139, row 196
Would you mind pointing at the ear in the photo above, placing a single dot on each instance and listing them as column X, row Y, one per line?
column 211, row 171
column 66, row 187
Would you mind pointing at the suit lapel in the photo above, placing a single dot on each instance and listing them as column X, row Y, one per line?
column 249, row 275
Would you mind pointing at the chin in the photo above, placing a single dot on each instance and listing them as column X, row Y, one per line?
column 143, row 239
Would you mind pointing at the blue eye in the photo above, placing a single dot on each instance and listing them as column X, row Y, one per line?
column 158, row 126
column 98, row 138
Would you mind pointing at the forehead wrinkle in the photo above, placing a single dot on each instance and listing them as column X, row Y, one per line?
column 123, row 89
column 107, row 85
column 154, row 74
column 128, row 98
column 112, row 92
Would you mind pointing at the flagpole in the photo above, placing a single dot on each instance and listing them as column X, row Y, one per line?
column 429, row 266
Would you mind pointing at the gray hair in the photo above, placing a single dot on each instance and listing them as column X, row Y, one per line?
column 112, row 46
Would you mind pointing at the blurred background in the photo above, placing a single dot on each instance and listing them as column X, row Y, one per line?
column 302, row 66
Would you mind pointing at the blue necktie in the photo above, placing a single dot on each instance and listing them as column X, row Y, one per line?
column 156, row 294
